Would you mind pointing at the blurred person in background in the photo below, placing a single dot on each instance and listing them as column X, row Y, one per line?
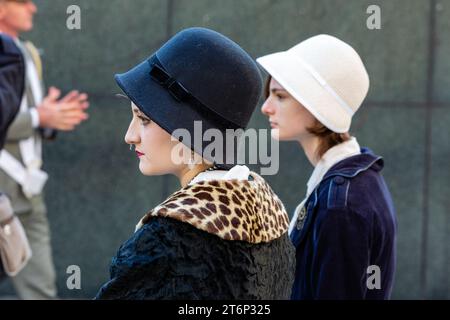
column 14, row 247
column 21, row 177
column 12, row 83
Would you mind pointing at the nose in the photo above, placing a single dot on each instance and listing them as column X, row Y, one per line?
column 267, row 108
column 32, row 7
column 132, row 135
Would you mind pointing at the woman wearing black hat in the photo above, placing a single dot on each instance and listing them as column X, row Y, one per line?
column 223, row 235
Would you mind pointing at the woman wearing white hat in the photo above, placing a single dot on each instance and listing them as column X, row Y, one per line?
column 344, row 230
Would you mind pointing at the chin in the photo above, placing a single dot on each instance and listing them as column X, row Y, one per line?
column 276, row 134
column 146, row 170
column 28, row 26
column 150, row 170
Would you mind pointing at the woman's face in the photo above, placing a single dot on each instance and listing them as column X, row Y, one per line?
column 153, row 145
column 288, row 119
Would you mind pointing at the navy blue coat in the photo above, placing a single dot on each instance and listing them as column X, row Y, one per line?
column 12, row 83
column 349, row 225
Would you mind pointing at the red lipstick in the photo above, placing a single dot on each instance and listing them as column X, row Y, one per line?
column 139, row 154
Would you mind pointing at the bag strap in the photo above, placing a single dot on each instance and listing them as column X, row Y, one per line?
column 34, row 53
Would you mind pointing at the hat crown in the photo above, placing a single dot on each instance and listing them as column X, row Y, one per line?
column 215, row 70
column 338, row 64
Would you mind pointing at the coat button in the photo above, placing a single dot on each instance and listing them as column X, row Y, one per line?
column 339, row 180
column 301, row 218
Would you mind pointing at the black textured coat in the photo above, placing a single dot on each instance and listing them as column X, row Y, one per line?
column 210, row 240
column 168, row 259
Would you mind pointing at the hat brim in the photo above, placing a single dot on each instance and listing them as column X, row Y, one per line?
column 162, row 108
column 292, row 75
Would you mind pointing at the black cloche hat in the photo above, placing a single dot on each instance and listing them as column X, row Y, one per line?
column 198, row 75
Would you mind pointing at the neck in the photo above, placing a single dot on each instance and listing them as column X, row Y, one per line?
column 8, row 31
column 309, row 145
column 187, row 174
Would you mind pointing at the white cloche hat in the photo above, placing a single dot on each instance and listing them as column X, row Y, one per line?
column 326, row 75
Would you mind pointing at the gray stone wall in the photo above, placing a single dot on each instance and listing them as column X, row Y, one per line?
column 96, row 195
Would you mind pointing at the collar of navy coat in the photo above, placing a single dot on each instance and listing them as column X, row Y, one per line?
column 335, row 185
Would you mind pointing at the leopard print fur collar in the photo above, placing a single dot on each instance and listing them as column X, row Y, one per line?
column 231, row 209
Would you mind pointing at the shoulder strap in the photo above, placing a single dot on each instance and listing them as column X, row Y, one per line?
column 34, row 53
column 338, row 192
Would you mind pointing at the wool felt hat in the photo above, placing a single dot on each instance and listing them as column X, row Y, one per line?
column 326, row 75
column 198, row 75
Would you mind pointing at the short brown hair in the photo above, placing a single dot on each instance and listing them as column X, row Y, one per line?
column 328, row 138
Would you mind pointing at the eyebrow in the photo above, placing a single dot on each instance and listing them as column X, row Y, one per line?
column 136, row 111
column 275, row 90
column 139, row 113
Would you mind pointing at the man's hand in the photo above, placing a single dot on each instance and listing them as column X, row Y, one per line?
column 63, row 114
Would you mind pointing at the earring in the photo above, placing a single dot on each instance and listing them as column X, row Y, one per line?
column 191, row 161
column 131, row 147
